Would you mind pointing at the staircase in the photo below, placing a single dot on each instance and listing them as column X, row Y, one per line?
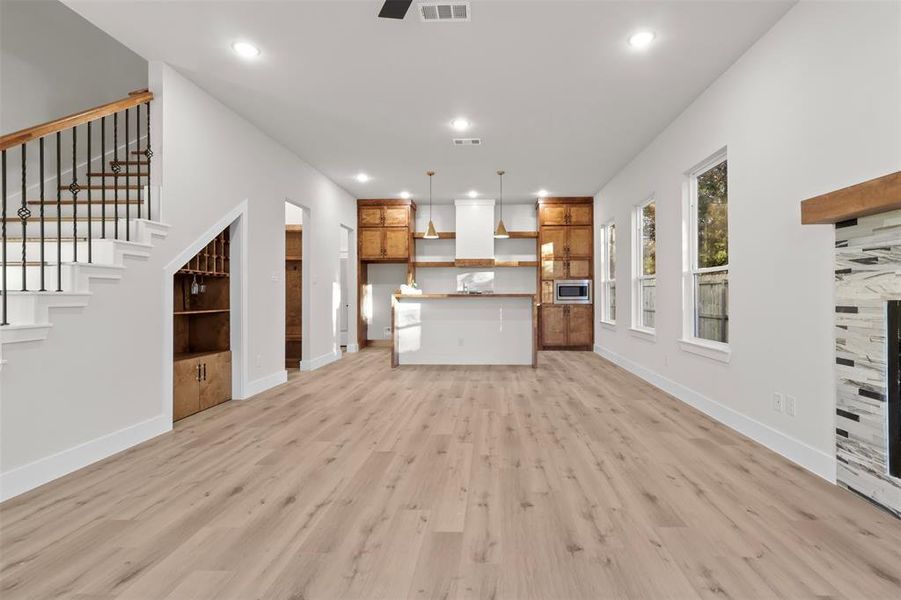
column 77, row 206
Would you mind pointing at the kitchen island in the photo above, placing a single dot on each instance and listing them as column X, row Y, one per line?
column 464, row 329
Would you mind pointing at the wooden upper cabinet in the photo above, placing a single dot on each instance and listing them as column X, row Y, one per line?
column 580, row 214
column 565, row 214
column 553, row 268
column 396, row 242
column 370, row 243
column 552, row 241
column 552, row 215
column 579, row 268
column 579, row 242
column 370, row 216
column 579, row 325
column 396, row 216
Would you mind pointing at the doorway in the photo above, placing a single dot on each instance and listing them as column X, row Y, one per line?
column 293, row 286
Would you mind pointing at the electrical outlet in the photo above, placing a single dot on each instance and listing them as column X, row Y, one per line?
column 259, row 360
column 778, row 402
column 790, row 402
column 387, row 332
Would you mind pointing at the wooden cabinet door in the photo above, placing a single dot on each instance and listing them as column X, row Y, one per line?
column 553, row 242
column 216, row 379
column 547, row 292
column 185, row 389
column 580, row 214
column 578, row 268
column 553, row 268
column 579, row 242
column 579, row 330
column 552, row 215
column 553, row 325
column 396, row 216
column 370, row 243
column 370, row 216
column 396, row 242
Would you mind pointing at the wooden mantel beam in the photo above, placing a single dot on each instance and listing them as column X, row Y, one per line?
column 868, row 198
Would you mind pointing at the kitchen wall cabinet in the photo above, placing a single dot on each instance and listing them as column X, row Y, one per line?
column 566, row 251
column 384, row 235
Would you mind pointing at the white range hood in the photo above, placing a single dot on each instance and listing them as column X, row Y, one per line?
column 475, row 229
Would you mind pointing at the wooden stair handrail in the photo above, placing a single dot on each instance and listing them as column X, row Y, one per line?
column 38, row 131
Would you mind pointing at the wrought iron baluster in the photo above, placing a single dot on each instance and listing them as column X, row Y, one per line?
column 116, row 168
column 59, row 212
column 127, row 179
column 148, row 153
column 103, row 177
column 138, row 146
column 41, row 170
column 74, row 188
column 3, row 217
column 90, row 212
column 23, row 214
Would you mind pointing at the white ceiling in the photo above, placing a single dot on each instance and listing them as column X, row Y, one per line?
column 558, row 96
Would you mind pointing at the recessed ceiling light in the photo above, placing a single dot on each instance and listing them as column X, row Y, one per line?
column 362, row 177
column 542, row 193
column 472, row 194
column 460, row 124
column 245, row 50
column 405, row 195
column 641, row 39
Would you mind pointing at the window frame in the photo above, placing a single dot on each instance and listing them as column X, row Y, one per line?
column 638, row 276
column 608, row 281
column 690, row 342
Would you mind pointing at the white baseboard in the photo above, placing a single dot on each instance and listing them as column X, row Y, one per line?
column 353, row 347
column 815, row 461
column 27, row 477
column 258, row 386
column 319, row 361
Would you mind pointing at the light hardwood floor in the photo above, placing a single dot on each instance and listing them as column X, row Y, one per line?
column 575, row 480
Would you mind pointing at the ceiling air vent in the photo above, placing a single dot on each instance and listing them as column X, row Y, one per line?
column 467, row 141
column 440, row 12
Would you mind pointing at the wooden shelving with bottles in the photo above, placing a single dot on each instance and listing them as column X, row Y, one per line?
column 201, row 330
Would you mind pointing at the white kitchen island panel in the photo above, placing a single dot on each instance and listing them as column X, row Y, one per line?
column 464, row 329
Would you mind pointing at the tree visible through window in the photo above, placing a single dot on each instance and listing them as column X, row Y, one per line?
column 710, row 251
column 646, row 277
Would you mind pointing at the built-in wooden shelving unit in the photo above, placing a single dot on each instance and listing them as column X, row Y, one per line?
column 293, row 294
column 201, row 335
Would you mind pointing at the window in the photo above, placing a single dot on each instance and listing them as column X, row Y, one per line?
column 608, row 273
column 645, row 266
column 709, row 252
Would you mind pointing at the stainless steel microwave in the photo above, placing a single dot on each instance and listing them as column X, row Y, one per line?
column 572, row 291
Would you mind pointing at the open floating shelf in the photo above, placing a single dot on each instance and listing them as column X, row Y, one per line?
column 449, row 235
column 497, row 264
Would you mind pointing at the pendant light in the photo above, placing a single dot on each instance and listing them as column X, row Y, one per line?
column 430, row 233
column 501, row 231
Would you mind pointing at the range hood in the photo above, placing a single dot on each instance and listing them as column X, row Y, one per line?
column 475, row 232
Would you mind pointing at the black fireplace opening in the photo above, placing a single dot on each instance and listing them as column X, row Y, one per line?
column 893, row 341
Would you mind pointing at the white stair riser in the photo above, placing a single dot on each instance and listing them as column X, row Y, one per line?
column 75, row 277
column 35, row 308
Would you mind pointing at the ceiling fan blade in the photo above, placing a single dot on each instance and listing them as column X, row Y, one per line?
column 395, row 9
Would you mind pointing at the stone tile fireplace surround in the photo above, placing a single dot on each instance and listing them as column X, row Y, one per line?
column 867, row 277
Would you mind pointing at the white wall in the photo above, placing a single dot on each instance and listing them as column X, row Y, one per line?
column 813, row 106
column 211, row 162
column 293, row 214
column 70, row 66
column 383, row 281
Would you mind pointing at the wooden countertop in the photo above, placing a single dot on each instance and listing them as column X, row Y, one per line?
column 459, row 295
